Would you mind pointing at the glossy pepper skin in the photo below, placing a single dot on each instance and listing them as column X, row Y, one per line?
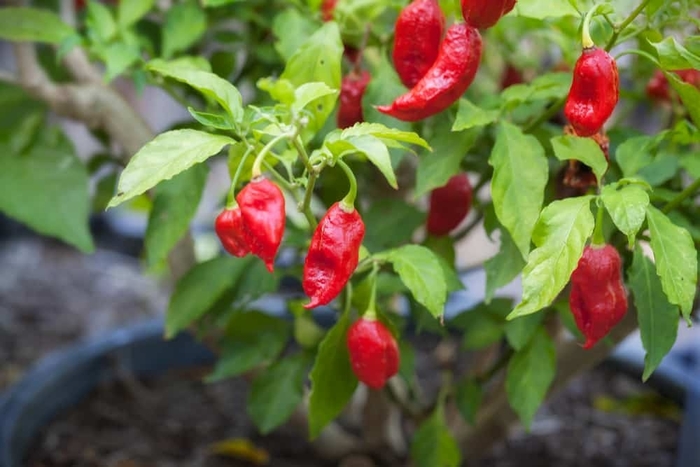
column 352, row 88
column 598, row 299
column 231, row 231
column 449, row 205
column 417, row 35
column 262, row 211
column 374, row 354
column 333, row 254
column 594, row 91
column 483, row 14
column 445, row 82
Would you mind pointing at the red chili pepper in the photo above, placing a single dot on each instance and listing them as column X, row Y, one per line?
column 352, row 89
column 417, row 35
column 658, row 86
column 333, row 254
column 483, row 14
column 594, row 91
column 262, row 211
column 598, row 299
column 374, row 354
column 327, row 9
column 446, row 81
column 449, row 205
column 231, row 231
column 511, row 76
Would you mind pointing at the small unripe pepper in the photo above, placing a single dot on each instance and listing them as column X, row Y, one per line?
column 374, row 354
column 445, row 82
column 352, row 88
column 594, row 91
column 231, row 231
column 449, row 205
column 417, row 35
column 483, row 14
column 262, row 211
column 333, row 254
column 598, row 299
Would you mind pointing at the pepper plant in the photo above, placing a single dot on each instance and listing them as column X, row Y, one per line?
column 333, row 164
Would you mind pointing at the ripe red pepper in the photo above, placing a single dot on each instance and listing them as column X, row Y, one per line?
column 483, row 14
column 262, row 211
column 417, row 35
column 449, row 205
column 511, row 76
column 231, row 231
column 445, row 82
column 327, row 8
column 598, row 299
column 658, row 86
column 333, row 254
column 374, row 354
column 594, row 91
column 352, row 88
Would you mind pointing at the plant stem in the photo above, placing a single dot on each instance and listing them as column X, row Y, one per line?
column 305, row 206
column 682, row 196
column 546, row 115
column 598, row 237
column 624, row 24
column 231, row 201
column 586, row 40
column 259, row 159
column 349, row 200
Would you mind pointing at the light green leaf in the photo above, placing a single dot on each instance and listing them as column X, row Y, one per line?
column 100, row 21
column 377, row 152
column 383, row 133
column 676, row 260
column 130, row 11
column 658, row 319
column 23, row 24
column 634, row 154
column 291, row 28
column 585, row 150
column 174, row 204
column 470, row 116
column 627, row 207
column 166, row 156
column 529, row 375
column 560, row 236
column 517, row 187
column 309, row 92
column 220, row 122
column 541, row 9
column 332, row 380
column 118, row 57
column 689, row 94
column 433, row 445
column 674, row 56
column 185, row 24
column 519, row 331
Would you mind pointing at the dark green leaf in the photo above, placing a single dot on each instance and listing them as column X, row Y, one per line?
column 504, row 266
column 468, row 399
column 433, row 444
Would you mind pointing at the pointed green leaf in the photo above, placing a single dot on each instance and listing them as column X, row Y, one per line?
column 130, row 11
column 20, row 24
column 468, row 399
column 470, row 116
column 581, row 149
column 185, row 24
column 433, row 445
column 377, row 152
column 627, row 207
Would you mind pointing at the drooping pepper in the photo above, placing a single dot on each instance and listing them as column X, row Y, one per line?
column 417, row 35
column 261, row 204
column 598, row 299
column 231, row 231
column 658, row 86
column 445, row 82
column 449, row 205
column 333, row 254
column 483, row 14
column 352, row 89
column 374, row 354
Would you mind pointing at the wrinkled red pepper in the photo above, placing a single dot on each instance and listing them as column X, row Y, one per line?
column 449, row 205
column 446, row 81
column 333, row 254
column 231, row 231
column 483, row 14
column 598, row 299
column 352, row 89
column 374, row 353
column 417, row 35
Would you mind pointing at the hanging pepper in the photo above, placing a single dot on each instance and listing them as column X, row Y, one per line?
column 483, row 14
column 598, row 300
column 231, row 231
column 445, row 82
column 374, row 354
column 327, row 9
column 333, row 254
column 262, row 212
column 352, row 89
column 658, row 86
column 449, row 205
column 417, row 35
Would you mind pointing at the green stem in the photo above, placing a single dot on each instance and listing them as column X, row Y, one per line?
column 302, row 153
column 546, row 115
column 231, row 201
column 259, row 159
column 641, row 53
column 625, row 23
column 682, row 196
column 305, row 205
column 371, row 312
column 349, row 200
column 586, row 40
column 598, row 237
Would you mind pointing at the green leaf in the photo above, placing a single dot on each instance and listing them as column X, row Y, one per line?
column 174, row 204
column 420, row 271
column 332, row 381
column 377, row 152
column 200, row 289
column 118, row 57
column 167, row 155
column 291, row 28
column 20, row 24
column 634, row 154
column 275, row 394
column 581, row 149
column 207, row 83
column 218, row 121
column 384, row 87
column 673, row 56
column 100, row 22
column 385, row 134
column 481, row 328
column 130, row 11
column 185, row 24
column 529, row 375
column 676, row 260
column 470, row 116
column 541, row 9
column 504, row 266
column 658, row 319
column 519, row 331
column 45, row 186
column 549, row 86
column 517, row 187
column 468, row 399
column 309, row 92
column 627, row 207
column 384, row 215
column 560, row 236
column 433, row 444
column 689, row 94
